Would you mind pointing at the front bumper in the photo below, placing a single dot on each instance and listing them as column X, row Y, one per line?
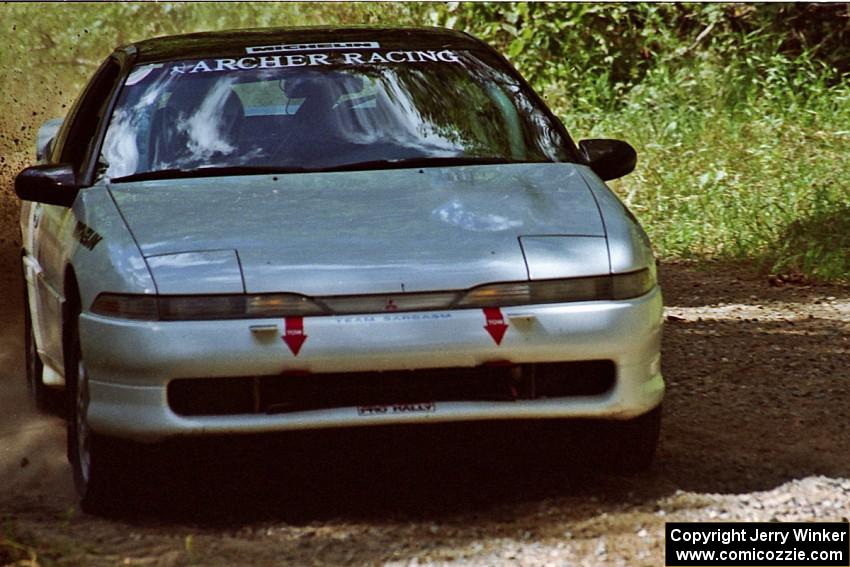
column 130, row 363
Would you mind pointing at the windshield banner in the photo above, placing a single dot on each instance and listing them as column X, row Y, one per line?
column 316, row 59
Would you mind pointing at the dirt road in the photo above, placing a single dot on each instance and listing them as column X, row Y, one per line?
column 756, row 427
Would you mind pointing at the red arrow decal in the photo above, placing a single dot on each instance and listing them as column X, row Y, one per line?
column 294, row 336
column 496, row 325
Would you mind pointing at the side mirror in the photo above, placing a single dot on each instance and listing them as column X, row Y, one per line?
column 609, row 159
column 48, row 184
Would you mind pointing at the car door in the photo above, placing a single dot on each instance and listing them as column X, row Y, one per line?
column 56, row 228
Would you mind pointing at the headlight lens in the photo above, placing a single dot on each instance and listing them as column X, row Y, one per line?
column 126, row 306
column 207, row 307
column 204, row 307
column 618, row 286
column 532, row 292
column 633, row 284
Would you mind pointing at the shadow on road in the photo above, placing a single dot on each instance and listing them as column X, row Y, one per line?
column 392, row 473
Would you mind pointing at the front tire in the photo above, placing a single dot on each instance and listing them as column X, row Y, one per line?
column 628, row 447
column 96, row 460
column 619, row 447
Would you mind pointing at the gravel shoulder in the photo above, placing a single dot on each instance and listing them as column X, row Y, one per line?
column 755, row 428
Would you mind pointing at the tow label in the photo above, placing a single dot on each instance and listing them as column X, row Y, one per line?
column 495, row 323
column 293, row 335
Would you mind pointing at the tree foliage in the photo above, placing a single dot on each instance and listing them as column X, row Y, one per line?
column 596, row 53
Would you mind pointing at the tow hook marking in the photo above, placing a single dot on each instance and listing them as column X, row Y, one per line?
column 293, row 335
column 496, row 325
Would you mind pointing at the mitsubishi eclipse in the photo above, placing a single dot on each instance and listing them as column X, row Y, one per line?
column 281, row 229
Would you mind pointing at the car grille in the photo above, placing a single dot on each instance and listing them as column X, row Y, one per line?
column 292, row 392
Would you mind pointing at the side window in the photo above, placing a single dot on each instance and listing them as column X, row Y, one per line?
column 74, row 142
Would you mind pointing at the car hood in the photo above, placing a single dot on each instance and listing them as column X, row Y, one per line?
column 363, row 232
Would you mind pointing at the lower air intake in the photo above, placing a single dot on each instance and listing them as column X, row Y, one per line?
column 294, row 393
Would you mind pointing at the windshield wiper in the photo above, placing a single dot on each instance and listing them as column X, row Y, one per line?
column 206, row 172
column 401, row 163
column 425, row 162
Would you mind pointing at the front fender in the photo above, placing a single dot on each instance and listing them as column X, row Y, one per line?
column 102, row 251
column 629, row 248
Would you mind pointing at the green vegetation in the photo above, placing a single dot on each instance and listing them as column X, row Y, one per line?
column 740, row 113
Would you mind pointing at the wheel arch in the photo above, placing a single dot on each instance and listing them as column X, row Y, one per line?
column 71, row 308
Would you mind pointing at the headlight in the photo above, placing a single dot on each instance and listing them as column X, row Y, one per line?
column 204, row 307
column 126, row 306
column 207, row 307
column 619, row 286
column 633, row 284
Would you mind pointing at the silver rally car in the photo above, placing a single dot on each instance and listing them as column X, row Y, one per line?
column 264, row 230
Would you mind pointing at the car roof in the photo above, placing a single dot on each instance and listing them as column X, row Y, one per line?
column 229, row 42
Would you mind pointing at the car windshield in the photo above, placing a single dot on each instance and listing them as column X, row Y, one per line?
column 330, row 110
